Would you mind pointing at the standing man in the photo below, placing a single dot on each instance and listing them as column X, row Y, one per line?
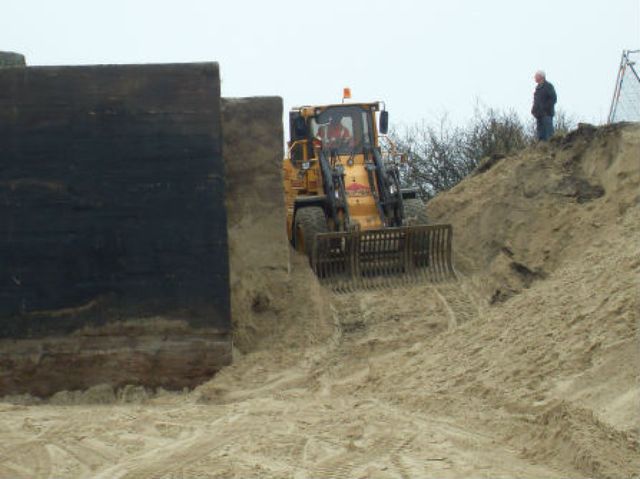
column 544, row 99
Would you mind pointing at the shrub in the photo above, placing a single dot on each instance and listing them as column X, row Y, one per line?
column 438, row 157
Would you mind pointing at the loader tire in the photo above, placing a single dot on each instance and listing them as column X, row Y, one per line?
column 415, row 212
column 310, row 221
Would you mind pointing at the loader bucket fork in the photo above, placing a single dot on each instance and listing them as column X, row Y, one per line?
column 347, row 261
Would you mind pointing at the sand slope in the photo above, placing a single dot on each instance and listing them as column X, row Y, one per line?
column 527, row 367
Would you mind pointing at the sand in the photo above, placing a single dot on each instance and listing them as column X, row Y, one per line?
column 525, row 367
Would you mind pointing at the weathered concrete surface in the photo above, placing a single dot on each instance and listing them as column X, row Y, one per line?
column 259, row 253
column 112, row 187
column 253, row 151
column 11, row 59
column 172, row 357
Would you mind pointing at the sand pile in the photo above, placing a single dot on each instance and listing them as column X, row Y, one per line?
column 524, row 368
column 528, row 214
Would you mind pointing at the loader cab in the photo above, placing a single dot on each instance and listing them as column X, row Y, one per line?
column 341, row 129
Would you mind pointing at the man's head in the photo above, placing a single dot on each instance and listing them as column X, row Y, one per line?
column 540, row 76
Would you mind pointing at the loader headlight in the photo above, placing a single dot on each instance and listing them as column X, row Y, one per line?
column 306, row 165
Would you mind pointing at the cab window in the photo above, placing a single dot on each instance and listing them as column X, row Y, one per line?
column 343, row 128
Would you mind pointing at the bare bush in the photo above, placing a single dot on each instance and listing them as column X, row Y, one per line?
column 439, row 157
column 492, row 133
column 564, row 122
column 433, row 157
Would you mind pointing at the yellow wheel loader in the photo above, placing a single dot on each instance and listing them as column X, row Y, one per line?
column 346, row 209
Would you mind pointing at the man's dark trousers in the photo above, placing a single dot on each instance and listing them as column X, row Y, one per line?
column 544, row 126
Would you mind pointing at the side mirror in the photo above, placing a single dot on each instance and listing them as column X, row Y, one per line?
column 300, row 128
column 384, row 122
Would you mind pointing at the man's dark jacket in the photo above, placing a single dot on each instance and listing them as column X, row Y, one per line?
column 544, row 98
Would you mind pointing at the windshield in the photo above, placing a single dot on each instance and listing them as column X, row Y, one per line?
column 346, row 129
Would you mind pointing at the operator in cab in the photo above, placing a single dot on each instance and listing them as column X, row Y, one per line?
column 335, row 133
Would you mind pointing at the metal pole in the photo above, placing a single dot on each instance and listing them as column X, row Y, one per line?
column 616, row 90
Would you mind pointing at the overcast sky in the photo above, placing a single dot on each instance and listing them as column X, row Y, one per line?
column 424, row 58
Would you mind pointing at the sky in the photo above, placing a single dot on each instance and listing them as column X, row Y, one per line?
column 425, row 59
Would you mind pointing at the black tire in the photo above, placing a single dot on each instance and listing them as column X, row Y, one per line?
column 415, row 212
column 309, row 222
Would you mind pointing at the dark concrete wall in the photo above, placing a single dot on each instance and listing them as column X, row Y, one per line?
column 112, row 184
column 112, row 209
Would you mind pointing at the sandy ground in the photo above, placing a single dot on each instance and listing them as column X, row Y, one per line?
column 525, row 367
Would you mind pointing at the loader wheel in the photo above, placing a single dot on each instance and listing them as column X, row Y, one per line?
column 415, row 212
column 309, row 222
